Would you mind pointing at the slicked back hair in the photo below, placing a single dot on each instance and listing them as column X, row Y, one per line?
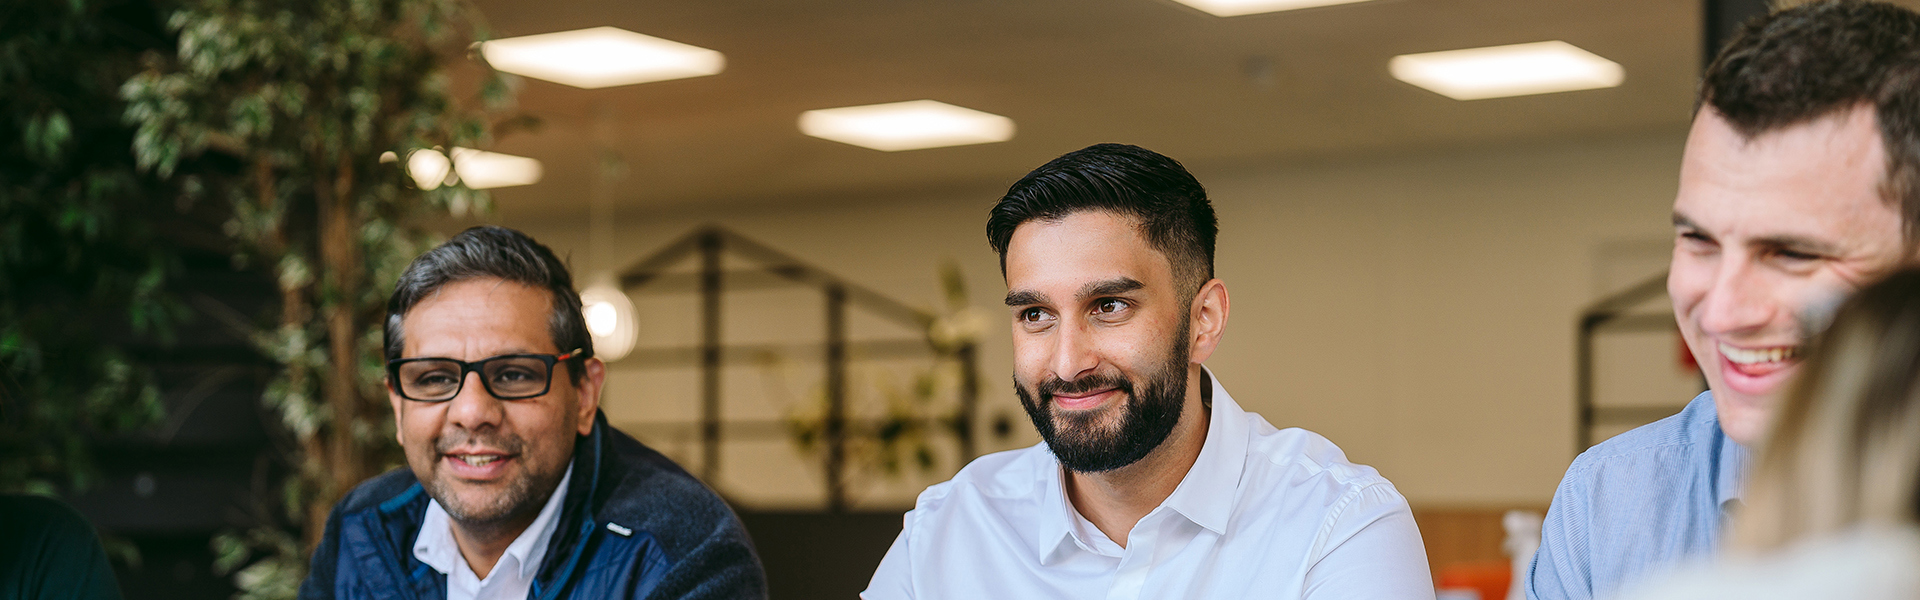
column 1822, row 58
column 1165, row 202
column 489, row 252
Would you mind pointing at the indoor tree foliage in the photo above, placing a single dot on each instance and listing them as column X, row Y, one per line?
column 82, row 273
column 310, row 96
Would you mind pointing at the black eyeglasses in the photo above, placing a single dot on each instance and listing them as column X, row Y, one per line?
column 507, row 377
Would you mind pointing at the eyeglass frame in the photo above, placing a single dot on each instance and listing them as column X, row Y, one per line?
column 393, row 373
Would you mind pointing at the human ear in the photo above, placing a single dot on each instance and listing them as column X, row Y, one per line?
column 594, row 379
column 1207, row 320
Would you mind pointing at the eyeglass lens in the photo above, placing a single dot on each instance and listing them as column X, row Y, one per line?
column 505, row 377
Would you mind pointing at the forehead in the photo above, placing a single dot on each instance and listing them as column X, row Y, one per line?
column 1822, row 178
column 1088, row 245
column 476, row 318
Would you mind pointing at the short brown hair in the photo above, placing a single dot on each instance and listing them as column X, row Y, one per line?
column 1814, row 60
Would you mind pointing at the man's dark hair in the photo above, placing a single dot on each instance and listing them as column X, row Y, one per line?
column 1163, row 199
column 1811, row 61
column 500, row 253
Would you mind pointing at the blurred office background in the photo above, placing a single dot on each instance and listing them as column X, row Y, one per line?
column 1461, row 293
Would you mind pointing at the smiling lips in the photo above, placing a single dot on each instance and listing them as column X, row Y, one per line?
column 1083, row 401
column 478, row 464
column 1760, row 362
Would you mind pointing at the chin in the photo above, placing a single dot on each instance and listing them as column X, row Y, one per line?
column 1743, row 418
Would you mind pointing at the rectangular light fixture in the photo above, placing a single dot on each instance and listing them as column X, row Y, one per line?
column 600, row 57
column 1499, row 71
column 909, row 125
column 1235, row 8
column 475, row 169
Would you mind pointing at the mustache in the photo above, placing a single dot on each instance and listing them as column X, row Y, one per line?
column 508, row 443
column 1049, row 387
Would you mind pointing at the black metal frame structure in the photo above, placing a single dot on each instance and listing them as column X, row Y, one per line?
column 779, row 270
column 1614, row 314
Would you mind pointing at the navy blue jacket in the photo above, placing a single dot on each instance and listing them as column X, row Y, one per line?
column 636, row 526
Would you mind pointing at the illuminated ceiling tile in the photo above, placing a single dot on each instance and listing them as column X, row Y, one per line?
column 473, row 168
column 909, row 125
column 600, row 57
column 1235, row 8
column 1516, row 70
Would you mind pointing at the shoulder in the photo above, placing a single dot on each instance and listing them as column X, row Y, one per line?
column 1300, row 452
column 41, row 514
column 1298, row 476
column 654, row 494
column 1673, row 442
column 1009, row 474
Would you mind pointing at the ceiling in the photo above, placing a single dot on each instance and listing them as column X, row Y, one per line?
column 1213, row 92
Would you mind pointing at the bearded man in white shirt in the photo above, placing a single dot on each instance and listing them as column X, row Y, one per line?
column 1151, row 481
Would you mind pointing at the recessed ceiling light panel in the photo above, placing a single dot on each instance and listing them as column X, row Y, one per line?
column 481, row 170
column 600, row 57
column 906, row 125
column 1235, row 8
column 1516, row 70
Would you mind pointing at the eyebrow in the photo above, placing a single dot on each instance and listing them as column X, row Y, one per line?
column 1786, row 241
column 1109, row 287
column 1680, row 220
column 1119, row 285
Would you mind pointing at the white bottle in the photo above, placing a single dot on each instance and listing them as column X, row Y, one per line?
column 1523, row 538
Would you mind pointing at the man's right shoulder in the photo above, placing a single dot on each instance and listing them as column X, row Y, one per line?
column 1008, row 474
column 1670, row 439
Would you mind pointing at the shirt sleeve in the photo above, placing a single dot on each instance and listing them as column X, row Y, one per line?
column 893, row 580
column 1373, row 552
column 1560, row 569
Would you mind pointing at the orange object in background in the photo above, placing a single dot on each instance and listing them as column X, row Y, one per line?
column 1490, row 578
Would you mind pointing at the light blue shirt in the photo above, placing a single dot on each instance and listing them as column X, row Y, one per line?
column 1637, row 504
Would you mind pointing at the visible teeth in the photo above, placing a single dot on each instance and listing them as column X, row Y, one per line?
column 1763, row 355
column 477, row 460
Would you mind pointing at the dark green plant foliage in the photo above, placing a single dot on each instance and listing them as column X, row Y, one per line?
column 309, row 96
column 82, row 275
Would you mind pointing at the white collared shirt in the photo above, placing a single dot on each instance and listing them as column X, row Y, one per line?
column 512, row 575
column 1263, row 513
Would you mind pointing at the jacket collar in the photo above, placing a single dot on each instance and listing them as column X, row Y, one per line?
column 585, row 495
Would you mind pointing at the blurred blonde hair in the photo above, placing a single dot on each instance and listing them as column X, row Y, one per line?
column 1844, row 446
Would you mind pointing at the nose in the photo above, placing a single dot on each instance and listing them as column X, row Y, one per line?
column 1741, row 299
column 473, row 408
column 1073, row 350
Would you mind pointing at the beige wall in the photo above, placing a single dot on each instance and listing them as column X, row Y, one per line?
column 1418, row 310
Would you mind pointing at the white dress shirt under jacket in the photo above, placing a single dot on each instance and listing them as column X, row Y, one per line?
column 512, row 575
column 1263, row 513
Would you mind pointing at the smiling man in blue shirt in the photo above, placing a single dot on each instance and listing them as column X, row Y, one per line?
column 1800, row 183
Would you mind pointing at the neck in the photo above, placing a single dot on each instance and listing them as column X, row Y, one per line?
column 1116, row 500
column 482, row 544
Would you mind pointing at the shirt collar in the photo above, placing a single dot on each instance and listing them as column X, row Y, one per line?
column 531, row 546
column 1729, row 458
column 1732, row 475
column 436, row 547
column 1205, row 495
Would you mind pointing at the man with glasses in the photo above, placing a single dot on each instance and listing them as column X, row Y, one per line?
column 516, row 486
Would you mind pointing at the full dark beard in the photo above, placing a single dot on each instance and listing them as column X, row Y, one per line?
column 1148, row 416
